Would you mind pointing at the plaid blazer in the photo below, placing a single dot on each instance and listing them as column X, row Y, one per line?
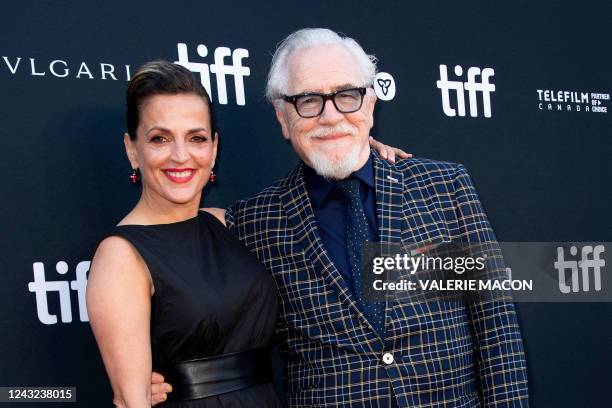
column 445, row 354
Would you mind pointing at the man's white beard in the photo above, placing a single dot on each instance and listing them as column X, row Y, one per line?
column 335, row 169
column 330, row 168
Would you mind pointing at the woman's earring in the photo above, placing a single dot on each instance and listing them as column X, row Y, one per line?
column 212, row 177
column 135, row 176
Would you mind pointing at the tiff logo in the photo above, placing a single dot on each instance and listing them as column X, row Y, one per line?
column 41, row 287
column 586, row 263
column 471, row 86
column 219, row 68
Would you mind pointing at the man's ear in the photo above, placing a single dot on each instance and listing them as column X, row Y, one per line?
column 369, row 101
column 283, row 120
column 130, row 150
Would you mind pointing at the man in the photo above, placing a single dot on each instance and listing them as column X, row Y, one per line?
column 339, row 349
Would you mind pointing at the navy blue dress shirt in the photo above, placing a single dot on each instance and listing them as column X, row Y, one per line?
column 328, row 207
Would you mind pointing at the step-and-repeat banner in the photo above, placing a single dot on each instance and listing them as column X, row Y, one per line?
column 518, row 92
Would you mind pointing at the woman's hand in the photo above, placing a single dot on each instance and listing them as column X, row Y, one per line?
column 159, row 389
column 387, row 152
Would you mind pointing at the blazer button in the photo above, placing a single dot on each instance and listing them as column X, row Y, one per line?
column 388, row 358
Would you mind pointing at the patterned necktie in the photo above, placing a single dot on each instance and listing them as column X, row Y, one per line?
column 356, row 236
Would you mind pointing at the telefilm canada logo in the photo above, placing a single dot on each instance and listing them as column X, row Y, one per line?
column 572, row 101
column 478, row 84
column 226, row 63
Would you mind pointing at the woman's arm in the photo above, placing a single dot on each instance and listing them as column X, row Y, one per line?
column 119, row 305
column 387, row 152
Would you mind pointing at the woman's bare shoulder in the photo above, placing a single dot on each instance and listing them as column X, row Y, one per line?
column 117, row 260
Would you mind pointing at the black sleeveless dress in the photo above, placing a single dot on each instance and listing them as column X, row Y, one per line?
column 212, row 297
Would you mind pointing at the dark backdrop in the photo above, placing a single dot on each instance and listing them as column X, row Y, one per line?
column 543, row 175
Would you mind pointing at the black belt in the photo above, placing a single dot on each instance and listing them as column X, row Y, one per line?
column 217, row 375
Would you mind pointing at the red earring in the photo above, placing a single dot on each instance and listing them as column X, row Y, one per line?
column 212, row 177
column 134, row 177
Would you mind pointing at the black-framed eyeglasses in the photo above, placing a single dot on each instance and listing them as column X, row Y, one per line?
column 310, row 105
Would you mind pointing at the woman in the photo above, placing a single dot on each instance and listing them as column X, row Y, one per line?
column 170, row 289
column 170, row 284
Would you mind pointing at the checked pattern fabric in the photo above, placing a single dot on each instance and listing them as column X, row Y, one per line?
column 445, row 353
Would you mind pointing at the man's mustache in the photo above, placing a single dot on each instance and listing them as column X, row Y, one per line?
column 325, row 131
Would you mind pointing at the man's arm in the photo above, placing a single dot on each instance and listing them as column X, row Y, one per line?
column 502, row 366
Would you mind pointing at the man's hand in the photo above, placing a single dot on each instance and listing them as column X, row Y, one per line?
column 159, row 389
column 387, row 152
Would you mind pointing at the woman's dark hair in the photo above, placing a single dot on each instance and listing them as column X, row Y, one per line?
column 161, row 78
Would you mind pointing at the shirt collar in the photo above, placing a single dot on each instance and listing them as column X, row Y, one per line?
column 319, row 187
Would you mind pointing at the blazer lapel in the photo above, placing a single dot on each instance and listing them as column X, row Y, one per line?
column 296, row 203
column 389, row 200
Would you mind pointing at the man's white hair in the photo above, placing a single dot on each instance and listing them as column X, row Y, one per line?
column 309, row 38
